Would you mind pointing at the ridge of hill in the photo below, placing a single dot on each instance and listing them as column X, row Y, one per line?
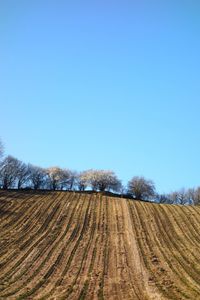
column 65, row 245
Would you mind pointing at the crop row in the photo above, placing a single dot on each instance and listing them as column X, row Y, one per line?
column 59, row 245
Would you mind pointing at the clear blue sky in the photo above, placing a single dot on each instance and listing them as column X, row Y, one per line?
column 103, row 84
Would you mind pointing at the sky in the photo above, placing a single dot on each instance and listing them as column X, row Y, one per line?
column 105, row 85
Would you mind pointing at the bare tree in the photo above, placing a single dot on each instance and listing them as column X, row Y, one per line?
column 182, row 197
column 197, row 196
column 68, row 180
column 37, row 177
column 191, row 195
column 71, row 180
column 162, row 198
column 9, row 170
column 23, row 175
column 141, row 188
column 173, row 196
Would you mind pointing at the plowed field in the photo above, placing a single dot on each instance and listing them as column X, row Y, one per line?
column 66, row 245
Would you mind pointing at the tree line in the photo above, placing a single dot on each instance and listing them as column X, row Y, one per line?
column 182, row 196
column 15, row 174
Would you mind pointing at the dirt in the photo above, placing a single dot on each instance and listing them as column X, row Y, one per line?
column 65, row 245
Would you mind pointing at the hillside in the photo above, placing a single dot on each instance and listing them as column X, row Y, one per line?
column 66, row 245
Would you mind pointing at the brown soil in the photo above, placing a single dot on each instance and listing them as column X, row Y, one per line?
column 65, row 245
